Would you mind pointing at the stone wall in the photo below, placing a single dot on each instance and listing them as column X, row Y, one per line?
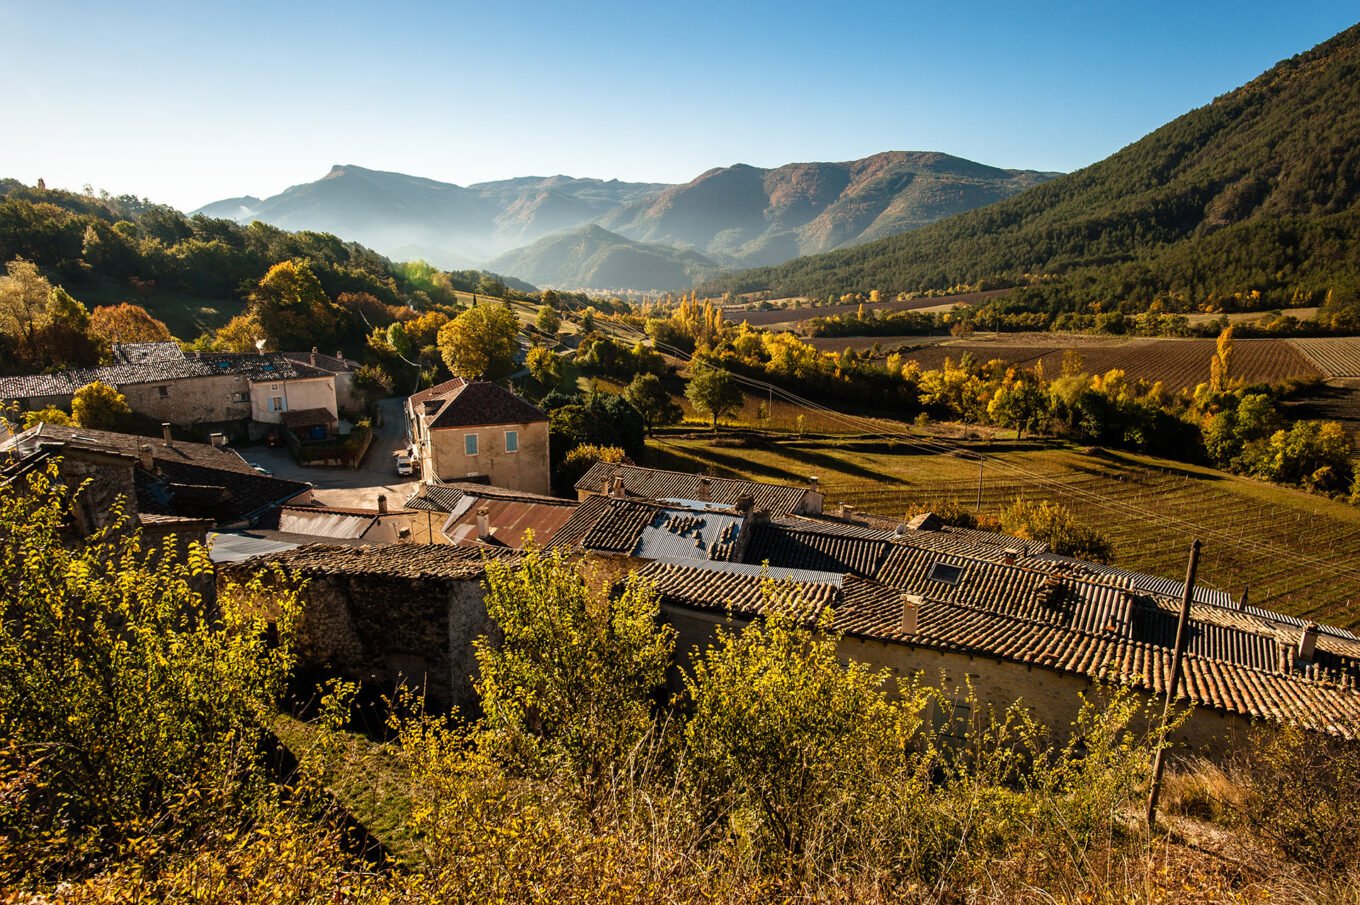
column 385, row 630
column 192, row 401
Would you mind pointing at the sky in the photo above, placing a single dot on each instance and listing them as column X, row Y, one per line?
column 187, row 103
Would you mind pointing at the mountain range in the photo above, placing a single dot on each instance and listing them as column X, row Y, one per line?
column 591, row 257
column 1258, row 191
column 735, row 216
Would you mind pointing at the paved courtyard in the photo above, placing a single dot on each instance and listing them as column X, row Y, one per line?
column 350, row 487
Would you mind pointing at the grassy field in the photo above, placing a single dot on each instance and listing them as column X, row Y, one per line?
column 186, row 315
column 1294, row 551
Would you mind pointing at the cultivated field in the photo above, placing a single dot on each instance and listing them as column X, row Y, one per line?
column 1335, row 356
column 1295, row 552
column 1179, row 363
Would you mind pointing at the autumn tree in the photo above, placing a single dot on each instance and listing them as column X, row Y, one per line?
column 99, row 406
column 481, row 342
column 713, row 391
column 1220, row 366
column 292, row 308
column 545, row 366
column 649, row 396
column 548, row 320
column 43, row 326
column 570, row 683
column 127, row 323
column 133, row 714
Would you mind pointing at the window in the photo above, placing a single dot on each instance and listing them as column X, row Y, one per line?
column 276, row 404
column 945, row 574
column 470, row 444
column 512, row 441
column 240, row 397
column 163, row 391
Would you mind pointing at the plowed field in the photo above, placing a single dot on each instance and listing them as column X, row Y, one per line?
column 1179, row 363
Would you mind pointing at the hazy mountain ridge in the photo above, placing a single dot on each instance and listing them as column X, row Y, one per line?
column 1258, row 190
column 738, row 215
column 591, row 257
column 751, row 215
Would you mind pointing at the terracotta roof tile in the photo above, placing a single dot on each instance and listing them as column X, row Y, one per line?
column 657, row 484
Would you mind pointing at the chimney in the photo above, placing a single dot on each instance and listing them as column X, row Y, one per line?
column 340, row 355
column 616, row 488
column 313, row 356
column 705, row 489
column 761, row 515
column 812, row 483
column 165, row 432
column 745, row 503
column 911, row 613
column 483, row 524
column 846, row 512
column 382, row 504
column 1308, row 642
column 144, row 457
column 1010, row 555
column 1242, row 604
column 219, row 440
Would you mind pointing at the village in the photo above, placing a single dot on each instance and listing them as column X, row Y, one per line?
column 395, row 562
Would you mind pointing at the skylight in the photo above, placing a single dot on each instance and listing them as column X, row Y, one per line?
column 945, row 573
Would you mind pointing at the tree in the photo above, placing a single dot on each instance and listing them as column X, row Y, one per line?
column 481, row 342
column 99, row 406
column 790, row 736
column 548, row 320
column 578, row 460
column 132, row 711
column 545, row 366
column 1019, row 403
column 571, row 682
column 1220, row 366
column 713, row 391
column 49, row 415
column 1055, row 525
column 127, row 323
column 292, row 308
column 649, row 396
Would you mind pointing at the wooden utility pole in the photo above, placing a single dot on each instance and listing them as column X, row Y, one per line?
column 981, row 463
column 1177, row 659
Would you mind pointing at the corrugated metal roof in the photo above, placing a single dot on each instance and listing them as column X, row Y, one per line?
column 324, row 523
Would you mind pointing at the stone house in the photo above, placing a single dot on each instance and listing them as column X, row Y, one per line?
column 636, row 482
column 233, row 394
column 341, row 369
column 476, row 430
column 387, row 614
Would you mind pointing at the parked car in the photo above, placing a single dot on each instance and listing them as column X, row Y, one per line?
column 406, row 466
column 260, row 469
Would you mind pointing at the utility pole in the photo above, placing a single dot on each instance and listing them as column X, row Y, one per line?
column 981, row 462
column 1177, row 658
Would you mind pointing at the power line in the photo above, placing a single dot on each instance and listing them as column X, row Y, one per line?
column 937, row 447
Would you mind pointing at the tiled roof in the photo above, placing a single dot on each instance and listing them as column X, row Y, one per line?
column 267, row 366
column 830, row 549
column 307, row 418
column 471, row 404
column 419, row 561
column 185, row 488
column 136, row 353
column 619, row 526
column 510, row 520
column 443, row 497
column 1226, row 669
column 657, row 484
column 582, row 520
column 332, row 363
column 1152, row 584
column 129, row 444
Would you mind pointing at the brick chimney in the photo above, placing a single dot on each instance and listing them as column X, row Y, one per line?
column 1308, row 643
column 165, row 432
column 382, row 504
column 616, row 488
column 705, row 490
column 483, row 524
column 911, row 613
column 1010, row 555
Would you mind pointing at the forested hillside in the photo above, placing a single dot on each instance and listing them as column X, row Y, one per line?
column 1255, row 192
column 594, row 258
column 106, row 248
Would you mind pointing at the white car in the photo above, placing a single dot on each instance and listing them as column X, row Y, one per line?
column 405, row 464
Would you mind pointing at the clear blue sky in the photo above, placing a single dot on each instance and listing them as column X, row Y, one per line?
column 188, row 102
